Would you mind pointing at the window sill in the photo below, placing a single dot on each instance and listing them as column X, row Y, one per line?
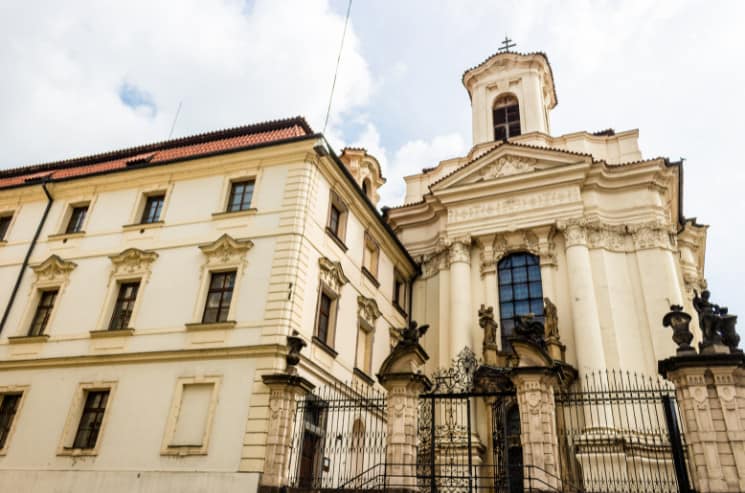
column 228, row 324
column 325, row 347
column 225, row 214
column 336, row 239
column 77, row 452
column 370, row 277
column 143, row 226
column 95, row 334
column 362, row 375
column 184, row 450
column 65, row 236
column 28, row 339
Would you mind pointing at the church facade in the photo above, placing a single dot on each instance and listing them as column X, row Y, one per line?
column 230, row 312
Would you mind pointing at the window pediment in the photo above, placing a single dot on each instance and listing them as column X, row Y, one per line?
column 332, row 274
column 132, row 261
column 367, row 310
column 53, row 270
column 226, row 250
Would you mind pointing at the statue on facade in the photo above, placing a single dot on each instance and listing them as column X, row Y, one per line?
column 487, row 322
column 409, row 336
column 295, row 344
column 717, row 325
column 528, row 327
column 551, row 319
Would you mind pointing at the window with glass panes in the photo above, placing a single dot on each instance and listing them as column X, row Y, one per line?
column 8, row 408
column 77, row 217
column 4, row 225
column 219, row 295
column 91, row 419
column 125, row 302
column 507, row 120
column 43, row 312
column 520, row 290
column 153, row 208
column 241, row 193
column 325, row 310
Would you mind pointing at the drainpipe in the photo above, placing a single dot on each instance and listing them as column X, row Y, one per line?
column 28, row 253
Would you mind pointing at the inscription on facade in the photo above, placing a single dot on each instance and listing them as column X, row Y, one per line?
column 512, row 204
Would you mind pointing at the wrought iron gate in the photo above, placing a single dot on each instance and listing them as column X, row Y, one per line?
column 469, row 440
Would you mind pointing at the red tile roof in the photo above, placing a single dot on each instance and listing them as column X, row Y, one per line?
column 161, row 152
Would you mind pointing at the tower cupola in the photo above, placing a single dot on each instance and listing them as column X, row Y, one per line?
column 511, row 94
column 365, row 169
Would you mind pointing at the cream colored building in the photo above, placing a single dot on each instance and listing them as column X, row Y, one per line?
column 601, row 227
column 161, row 283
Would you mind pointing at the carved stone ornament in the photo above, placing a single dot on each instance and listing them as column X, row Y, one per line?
column 332, row 274
column 53, row 270
column 367, row 310
column 716, row 323
column 680, row 322
column 653, row 234
column 507, row 166
column 487, row 322
column 551, row 319
column 610, row 237
column 460, row 251
column 226, row 250
column 574, row 230
column 295, row 344
column 132, row 261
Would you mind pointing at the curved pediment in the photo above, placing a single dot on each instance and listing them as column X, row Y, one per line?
column 506, row 160
column 53, row 269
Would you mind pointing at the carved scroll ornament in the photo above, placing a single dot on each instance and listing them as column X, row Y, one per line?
column 332, row 274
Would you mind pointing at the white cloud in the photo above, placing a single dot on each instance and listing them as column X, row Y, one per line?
column 68, row 61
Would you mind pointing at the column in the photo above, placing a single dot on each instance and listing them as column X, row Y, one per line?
column 587, row 336
column 461, row 311
column 710, row 390
column 284, row 393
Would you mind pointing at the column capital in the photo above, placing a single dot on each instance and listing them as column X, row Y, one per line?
column 459, row 250
column 652, row 234
column 574, row 230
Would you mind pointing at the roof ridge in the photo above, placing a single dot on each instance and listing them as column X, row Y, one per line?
column 265, row 126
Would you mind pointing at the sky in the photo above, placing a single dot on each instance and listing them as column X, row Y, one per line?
column 86, row 76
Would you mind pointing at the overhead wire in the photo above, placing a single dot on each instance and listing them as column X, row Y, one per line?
column 338, row 62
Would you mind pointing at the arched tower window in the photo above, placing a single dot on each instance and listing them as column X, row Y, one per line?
column 366, row 187
column 506, row 117
column 520, row 291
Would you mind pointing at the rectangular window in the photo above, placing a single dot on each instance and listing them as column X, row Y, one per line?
column 337, row 220
column 91, row 419
column 125, row 302
column 370, row 256
column 324, row 317
column 241, row 193
column 4, row 225
column 363, row 359
column 399, row 291
column 43, row 312
column 153, row 208
column 193, row 415
column 8, row 408
column 219, row 295
column 77, row 217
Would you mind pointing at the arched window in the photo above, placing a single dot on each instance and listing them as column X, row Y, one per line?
column 506, row 117
column 366, row 187
column 520, row 291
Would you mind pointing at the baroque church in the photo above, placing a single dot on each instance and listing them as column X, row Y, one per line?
column 230, row 312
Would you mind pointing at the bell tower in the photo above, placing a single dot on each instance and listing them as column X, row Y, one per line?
column 511, row 94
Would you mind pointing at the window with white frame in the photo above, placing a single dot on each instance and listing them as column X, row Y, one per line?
column 86, row 420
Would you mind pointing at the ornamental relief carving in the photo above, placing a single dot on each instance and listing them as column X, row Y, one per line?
column 367, row 310
column 226, row 250
column 53, row 270
column 612, row 237
column 652, row 235
column 506, row 166
column 132, row 261
column 332, row 274
column 502, row 244
column 511, row 205
column 460, row 251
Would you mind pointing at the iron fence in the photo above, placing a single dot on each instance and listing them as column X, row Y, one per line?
column 339, row 439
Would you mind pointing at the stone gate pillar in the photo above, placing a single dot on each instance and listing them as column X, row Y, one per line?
column 399, row 375
column 536, row 378
column 285, row 390
column 710, row 390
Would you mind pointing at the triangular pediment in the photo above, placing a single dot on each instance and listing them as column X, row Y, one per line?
column 508, row 160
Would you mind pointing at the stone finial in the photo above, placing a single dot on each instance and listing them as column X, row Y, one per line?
column 680, row 322
column 295, row 344
column 717, row 325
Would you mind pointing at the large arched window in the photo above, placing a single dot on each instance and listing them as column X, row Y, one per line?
column 506, row 117
column 520, row 291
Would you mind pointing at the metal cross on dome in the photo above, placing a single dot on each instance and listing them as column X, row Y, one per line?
column 506, row 45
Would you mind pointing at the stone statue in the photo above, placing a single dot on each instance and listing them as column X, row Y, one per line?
column 551, row 319
column 680, row 322
column 487, row 322
column 409, row 336
column 295, row 344
column 717, row 325
column 528, row 327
